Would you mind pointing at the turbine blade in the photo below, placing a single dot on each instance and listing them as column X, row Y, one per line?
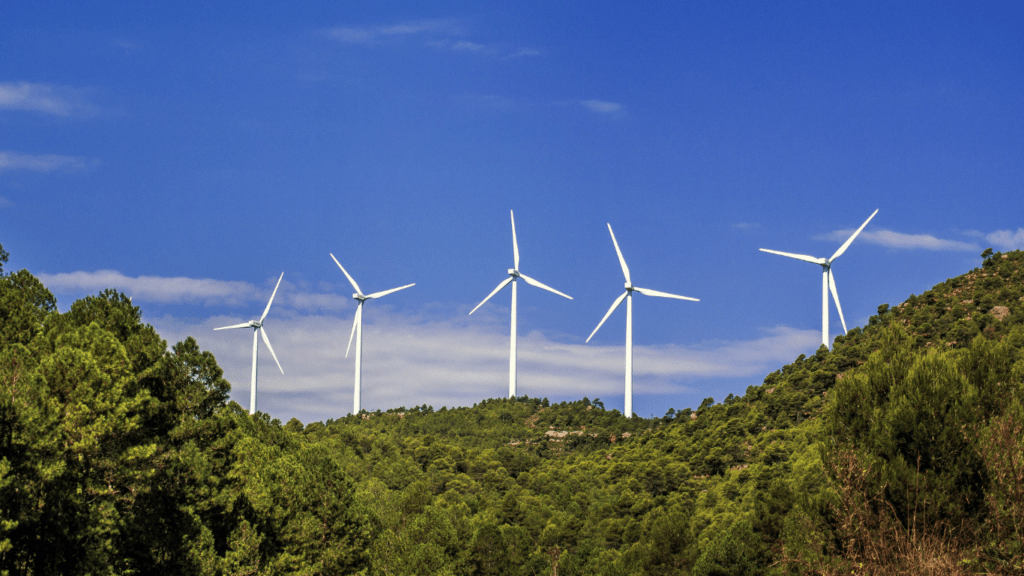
column 355, row 323
column 263, row 332
column 835, row 296
column 622, row 261
column 810, row 259
column 386, row 292
column 354, row 285
column 246, row 325
column 850, row 240
column 271, row 301
column 493, row 292
column 649, row 292
column 609, row 313
column 533, row 282
column 515, row 244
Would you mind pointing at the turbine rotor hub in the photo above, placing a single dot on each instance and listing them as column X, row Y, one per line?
column 513, row 272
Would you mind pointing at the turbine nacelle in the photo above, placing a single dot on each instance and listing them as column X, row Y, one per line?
column 357, row 329
column 828, row 283
column 257, row 326
column 628, row 296
column 514, row 276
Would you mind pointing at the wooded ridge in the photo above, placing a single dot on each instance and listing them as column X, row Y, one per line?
column 900, row 451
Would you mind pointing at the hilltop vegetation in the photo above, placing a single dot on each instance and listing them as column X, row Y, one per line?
column 899, row 451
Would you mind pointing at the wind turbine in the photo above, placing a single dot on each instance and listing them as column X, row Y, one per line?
column 357, row 330
column 628, row 297
column 257, row 326
column 828, row 282
column 515, row 275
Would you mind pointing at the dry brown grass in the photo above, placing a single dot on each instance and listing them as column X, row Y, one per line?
column 1001, row 542
column 870, row 539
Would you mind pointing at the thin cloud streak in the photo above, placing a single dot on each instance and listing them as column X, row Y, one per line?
column 367, row 35
column 159, row 289
column 901, row 241
column 601, row 106
column 409, row 361
column 437, row 34
column 39, row 163
column 458, row 46
column 40, row 98
column 184, row 290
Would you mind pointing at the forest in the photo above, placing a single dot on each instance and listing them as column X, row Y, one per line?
column 900, row 451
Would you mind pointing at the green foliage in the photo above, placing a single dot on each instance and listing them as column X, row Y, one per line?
column 295, row 500
column 1001, row 445
column 735, row 551
column 904, row 414
column 24, row 305
column 118, row 454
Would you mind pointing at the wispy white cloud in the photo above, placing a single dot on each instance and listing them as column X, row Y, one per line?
column 5, row 203
column 601, row 106
column 59, row 101
column 159, row 289
column 40, row 162
column 458, row 361
column 184, row 290
column 899, row 240
column 368, row 35
column 745, row 226
column 126, row 44
column 1007, row 239
column 440, row 34
column 458, row 45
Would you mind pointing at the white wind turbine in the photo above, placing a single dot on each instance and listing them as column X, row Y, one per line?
column 514, row 275
column 257, row 326
column 628, row 296
column 357, row 331
column 828, row 282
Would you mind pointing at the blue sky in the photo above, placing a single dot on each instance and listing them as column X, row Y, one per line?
column 187, row 157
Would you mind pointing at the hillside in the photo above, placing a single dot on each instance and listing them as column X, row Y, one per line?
column 897, row 452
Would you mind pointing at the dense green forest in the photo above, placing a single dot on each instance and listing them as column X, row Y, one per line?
column 901, row 451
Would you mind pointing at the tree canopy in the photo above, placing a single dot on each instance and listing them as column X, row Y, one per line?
column 898, row 448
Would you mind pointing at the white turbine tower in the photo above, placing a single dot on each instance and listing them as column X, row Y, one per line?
column 828, row 282
column 628, row 296
column 257, row 326
column 514, row 275
column 357, row 331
